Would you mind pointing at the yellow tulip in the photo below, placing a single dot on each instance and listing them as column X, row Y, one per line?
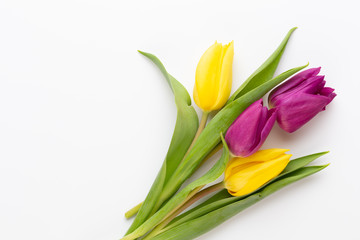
column 245, row 175
column 213, row 77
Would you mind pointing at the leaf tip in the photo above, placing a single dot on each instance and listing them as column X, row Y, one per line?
column 324, row 166
column 222, row 136
column 304, row 66
column 291, row 31
column 146, row 54
column 322, row 153
column 225, row 146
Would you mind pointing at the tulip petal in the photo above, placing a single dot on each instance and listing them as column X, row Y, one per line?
column 213, row 77
column 249, row 131
column 265, row 131
column 256, row 176
column 312, row 85
column 259, row 156
column 245, row 176
column 225, row 76
column 293, row 82
column 328, row 92
column 241, row 136
column 297, row 110
column 206, row 74
column 300, row 98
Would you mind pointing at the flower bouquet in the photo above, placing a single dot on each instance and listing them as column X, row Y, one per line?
column 239, row 125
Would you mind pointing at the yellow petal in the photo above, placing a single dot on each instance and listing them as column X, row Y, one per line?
column 259, row 156
column 256, row 176
column 213, row 77
column 245, row 175
column 268, row 154
column 225, row 76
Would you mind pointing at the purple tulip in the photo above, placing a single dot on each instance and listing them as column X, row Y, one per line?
column 300, row 98
column 249, row 131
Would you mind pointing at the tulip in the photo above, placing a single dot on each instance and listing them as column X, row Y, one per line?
column 249, row 131
column 213, row 77
column 245, row 175
column 300, row 99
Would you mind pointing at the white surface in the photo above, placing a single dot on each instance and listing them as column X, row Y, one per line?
column 86, row 120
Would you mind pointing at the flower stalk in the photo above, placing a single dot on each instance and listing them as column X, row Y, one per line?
column 133, row 211
column 203, row 121
column 203, row 193
column 202, row 125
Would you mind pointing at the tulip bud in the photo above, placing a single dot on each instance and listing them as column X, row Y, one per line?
column 249, row 131
column 213, row 77
column 300, row 99
column 245, row 175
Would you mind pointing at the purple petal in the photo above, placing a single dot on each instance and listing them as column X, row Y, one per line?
column 313, row 85
column 248, row 132
column 241, row 134
column 293, row 82
column 295, row 111
column 265, row 130
column 328, row 92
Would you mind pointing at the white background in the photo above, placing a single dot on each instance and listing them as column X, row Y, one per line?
column 85, row 120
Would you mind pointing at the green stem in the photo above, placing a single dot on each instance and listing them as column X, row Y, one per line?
column 202, row 125
column 135, row 234
column 215, row 150
column 204, row 118
column 133, row 211
column 158, row 229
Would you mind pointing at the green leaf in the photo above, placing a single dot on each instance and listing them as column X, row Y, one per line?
column 210, row 137
column 185, row 129
column 201, row 209
column 198, row 226
column 220, row 199
column 264, row 72
column 301, row 162
column 224, row 198
column 214, row 173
